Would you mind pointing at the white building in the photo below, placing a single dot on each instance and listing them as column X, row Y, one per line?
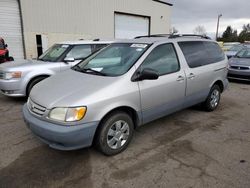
column 31, row 26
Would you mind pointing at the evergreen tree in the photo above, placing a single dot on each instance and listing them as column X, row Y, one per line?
column 245, row 33
column 229, row 35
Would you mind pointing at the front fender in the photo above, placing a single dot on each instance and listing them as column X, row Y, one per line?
column 33, row 74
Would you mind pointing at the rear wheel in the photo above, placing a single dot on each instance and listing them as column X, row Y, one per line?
column 33, row 83
column 115, row 133
column 213, row 99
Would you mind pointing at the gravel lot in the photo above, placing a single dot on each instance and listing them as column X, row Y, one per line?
column 191, row 148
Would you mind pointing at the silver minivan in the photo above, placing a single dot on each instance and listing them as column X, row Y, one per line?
column 127, row 84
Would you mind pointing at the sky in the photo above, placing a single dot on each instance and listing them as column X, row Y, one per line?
column 188, row 14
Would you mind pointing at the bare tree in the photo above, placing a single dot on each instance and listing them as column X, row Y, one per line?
column 200, row 30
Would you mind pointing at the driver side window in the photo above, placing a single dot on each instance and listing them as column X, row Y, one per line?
column 162, row 59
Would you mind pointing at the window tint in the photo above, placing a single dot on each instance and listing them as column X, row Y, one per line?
column 214, row 52
column 80, row 51
column 200, row 53
column 162, row 59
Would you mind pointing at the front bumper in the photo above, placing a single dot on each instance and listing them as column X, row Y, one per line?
column 11, row 88
column 58, row 136
column 239, row 74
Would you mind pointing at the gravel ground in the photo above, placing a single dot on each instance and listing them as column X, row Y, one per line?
column 190, row 148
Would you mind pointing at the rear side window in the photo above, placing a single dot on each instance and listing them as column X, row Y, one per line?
column 201, row 53
column 80, row 51
column 162, row 59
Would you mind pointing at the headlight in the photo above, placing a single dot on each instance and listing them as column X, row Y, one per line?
column 10, row 75
column 68, row 114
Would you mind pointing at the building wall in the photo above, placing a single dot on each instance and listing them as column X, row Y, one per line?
column 61, row 20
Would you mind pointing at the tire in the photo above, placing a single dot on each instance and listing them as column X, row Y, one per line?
column 33, row 83
column 213, row 99
column 113, row 129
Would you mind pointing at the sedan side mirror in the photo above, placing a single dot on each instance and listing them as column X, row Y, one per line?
column 69, row 59
column 146, row 74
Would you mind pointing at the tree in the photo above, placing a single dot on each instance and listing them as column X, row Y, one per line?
column 229, row 35
column 245, row 33
column 200, row 30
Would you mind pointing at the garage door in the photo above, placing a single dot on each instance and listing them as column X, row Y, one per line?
column 129, row 26
column 10, row 27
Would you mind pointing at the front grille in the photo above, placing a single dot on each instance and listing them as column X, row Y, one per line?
column 36, row 108
column 240, row 68
column 245, row 77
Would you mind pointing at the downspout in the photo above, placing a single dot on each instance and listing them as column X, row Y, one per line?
column 22, row 30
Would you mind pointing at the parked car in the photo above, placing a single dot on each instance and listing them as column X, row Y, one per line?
column 18, row 78
column 234, row 50
column 4, row 52
column 239, row 66
column 228, row 45
column 124, row 86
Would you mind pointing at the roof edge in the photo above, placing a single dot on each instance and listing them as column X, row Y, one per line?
column 164, row 2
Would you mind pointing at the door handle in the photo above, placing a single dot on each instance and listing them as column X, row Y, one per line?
column 180, row 78
column 191, row 76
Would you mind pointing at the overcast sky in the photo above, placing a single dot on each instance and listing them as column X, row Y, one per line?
column 187, row 14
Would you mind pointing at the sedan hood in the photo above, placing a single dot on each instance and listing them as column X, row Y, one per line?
column 71, row 88
column 239, row 61
column 17, row 64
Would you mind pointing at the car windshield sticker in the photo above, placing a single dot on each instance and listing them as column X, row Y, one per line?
column 139, row 45
column 97, row 69
column 65, row 46
column 139, row 49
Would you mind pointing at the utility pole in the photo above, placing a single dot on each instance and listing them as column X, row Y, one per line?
column 218, row 24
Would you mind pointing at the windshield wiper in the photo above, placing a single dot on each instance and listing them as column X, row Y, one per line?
column 86, row 70
column 76, row 68
column 40, row 59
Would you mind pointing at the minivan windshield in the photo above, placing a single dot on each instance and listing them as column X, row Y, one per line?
column 114, row 60
column 54, row 53
column 245, row 53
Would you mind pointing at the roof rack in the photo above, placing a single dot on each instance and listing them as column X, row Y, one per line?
column 171, row 36
column 96, row 40
column 155, row 35
column 189, row 35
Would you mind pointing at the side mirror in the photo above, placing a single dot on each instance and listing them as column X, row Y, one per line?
column 6, row 45
column 69, row 59
column 145, row 74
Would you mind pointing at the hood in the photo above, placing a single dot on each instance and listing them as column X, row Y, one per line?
column 71, row 88
column 239, row 61
column 22, row 63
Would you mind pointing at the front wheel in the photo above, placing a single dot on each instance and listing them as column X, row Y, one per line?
column 213, row 99
column 115, row 133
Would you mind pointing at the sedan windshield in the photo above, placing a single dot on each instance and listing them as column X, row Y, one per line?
column 54, row 53
column 114, row 60
column 245, row 53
